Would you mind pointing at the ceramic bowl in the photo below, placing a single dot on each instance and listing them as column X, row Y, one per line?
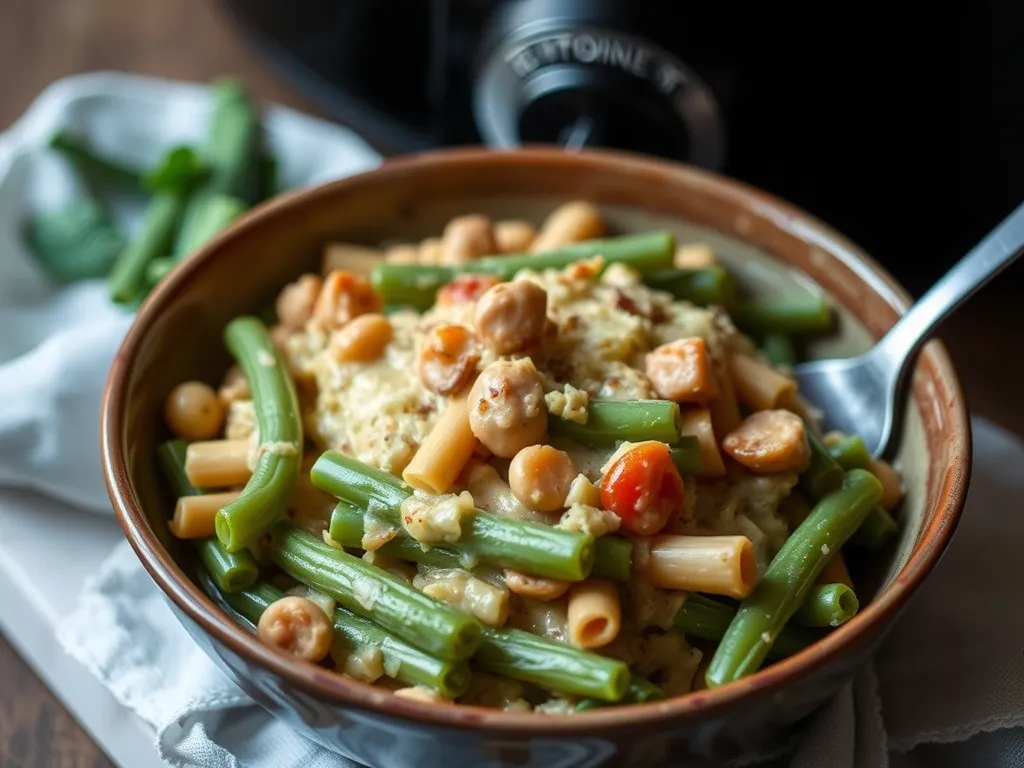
column 774, row 248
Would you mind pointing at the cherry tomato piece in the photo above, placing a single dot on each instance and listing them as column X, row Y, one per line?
column 465, row 288
column 644, row 488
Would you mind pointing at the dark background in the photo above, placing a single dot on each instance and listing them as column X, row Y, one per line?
column 898, row 123
column 915, row 173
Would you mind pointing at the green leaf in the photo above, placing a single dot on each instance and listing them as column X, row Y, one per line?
column 181, row 169
column 76, row 242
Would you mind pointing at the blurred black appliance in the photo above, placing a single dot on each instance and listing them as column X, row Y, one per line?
column 900, row 124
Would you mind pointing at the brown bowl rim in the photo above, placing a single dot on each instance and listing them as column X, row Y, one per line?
column 199, row 608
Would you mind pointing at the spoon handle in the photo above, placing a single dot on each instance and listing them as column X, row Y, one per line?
column 988, row 258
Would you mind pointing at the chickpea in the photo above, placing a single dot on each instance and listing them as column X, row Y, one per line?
column 767, row 442
column 295, row 303
column 514, row 235
column 466, row 238
column 362, row 339
column 447, row 358
column 540, row 477
column 511, row 316
column 344, row 295
column 537, row 587
column 506, row 407
column 569, row 223
column 297, row 626
column 193, row 411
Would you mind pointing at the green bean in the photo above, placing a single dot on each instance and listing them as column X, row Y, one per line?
column 374, row 594
column 551, row 665
column 232, row 143
column 640, row 691
column 171, row 456
column 402, row 662
column 876, row 531
column 779, row 349
column 613, row 555
column 528, row 547
column 823, row 474
column 233, row 571
column 75, row 242
column 269, row 176
column 264, row 498
column 827, row 605
column 790, row 576
column 347, row 530
column 158, row 269
column 611, row 421
column 179, row 171
column 701, row 286
column 89, row 162
column 417, row 286
column 159, row 223
column 794, row 315
column 613, row 558
column 708, row 619
column 686, row 455
column 849, row 452
column 205, row 221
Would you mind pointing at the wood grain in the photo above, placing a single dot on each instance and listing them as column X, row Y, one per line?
column 41, row 40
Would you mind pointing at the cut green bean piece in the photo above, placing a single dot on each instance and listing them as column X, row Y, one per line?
column 206, row 221
column 613, row 555
column 708, row 619
column 264, row 499
column 233, row 571
column 877, row 530
column 779, row 349
column 795, row 315
column 827, row 605
column 528, row 547
column 613, row 558
column 403, row 662
column 347, row 527
column 179, row 171
column 232, row 143
column 375, row 594
column 171, row 456
column 849, row 452
column 417, row 286
column 159, row 223
column 703, row 286
column 551, row 665
column 611, row 421
column 686, row 455
column 76, row 242
column 640, row 691
column 790, row 576
column 158, row 269
column 91, row 163
column 823, row 475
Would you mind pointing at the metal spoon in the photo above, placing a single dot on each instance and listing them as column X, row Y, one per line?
column 861, row 395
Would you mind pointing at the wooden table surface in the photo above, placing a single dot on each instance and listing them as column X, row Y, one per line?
column 41, row 40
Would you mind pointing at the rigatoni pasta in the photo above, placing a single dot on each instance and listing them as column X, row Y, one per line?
column 523, row 479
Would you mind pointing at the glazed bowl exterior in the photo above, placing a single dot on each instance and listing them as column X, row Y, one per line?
column 774, row 248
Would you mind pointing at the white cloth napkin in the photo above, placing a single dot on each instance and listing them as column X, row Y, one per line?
column 948, row 689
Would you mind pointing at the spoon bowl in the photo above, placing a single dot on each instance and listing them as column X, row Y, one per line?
column 862, row 395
